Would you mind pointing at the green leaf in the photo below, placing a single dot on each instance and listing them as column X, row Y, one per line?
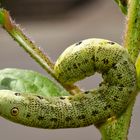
column 29, row 82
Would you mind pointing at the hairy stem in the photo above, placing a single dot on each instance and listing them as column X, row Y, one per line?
column 26, row 43
column 132, row 36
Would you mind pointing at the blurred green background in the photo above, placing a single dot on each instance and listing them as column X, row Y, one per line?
column 54, row 25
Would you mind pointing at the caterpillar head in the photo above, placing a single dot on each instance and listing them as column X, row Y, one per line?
column 12, row 106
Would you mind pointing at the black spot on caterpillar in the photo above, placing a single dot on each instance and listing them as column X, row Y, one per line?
column 40, row 97
column 86, row 92
column 110, row 99
column 78, row 43
column 112, row 43
column 68, row 118
column 17, row 94
column 53, row 119
column 28, row 115
column 105, row 61
column 62, row 98
column 81, row 117
column 40, row 118
column 94, row 113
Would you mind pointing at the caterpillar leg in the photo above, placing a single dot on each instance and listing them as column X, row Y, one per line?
column 73, row 89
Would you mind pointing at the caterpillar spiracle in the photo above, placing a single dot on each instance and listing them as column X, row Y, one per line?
column 91, row 107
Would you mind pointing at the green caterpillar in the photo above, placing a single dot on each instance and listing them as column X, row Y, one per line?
column 90, row 107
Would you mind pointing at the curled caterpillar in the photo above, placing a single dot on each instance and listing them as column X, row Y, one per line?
column 91, row 107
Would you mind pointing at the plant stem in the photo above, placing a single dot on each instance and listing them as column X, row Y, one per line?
column 132, row 36
column 26, row 43
column 117, row 129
